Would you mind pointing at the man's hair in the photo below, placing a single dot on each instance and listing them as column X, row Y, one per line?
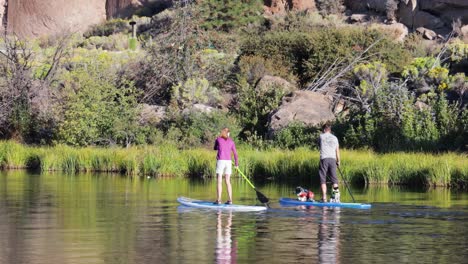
column 326, row 126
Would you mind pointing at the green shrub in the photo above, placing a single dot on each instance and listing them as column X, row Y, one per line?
column 308, row 53
column 254, row 106
column 254, row 67
column 230, row 14
column 195, row 129
column 98, row 108
column 108, row 28
column 195, row 91
column 296, row 135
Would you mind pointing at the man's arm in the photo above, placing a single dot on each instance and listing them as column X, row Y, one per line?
column 338, row 156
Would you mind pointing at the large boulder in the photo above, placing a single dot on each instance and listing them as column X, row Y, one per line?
column 152, row 114
column 281, row 6
column 2, row 11
column 413, row 17
column 309, row 108
column 427, row 33
column 431, row 14
column 198, row 108
column 35, row 18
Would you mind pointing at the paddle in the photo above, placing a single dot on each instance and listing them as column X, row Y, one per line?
column 260, row 196
column 346, row 184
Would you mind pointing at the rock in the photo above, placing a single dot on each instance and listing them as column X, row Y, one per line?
column 427, row 33
column 397, row 31
column 415, row 18
column 446, row 10
column 126, row 8
column 432, row 14
column 152, row 114
column 34, row 18
column 2, row 10
column 307, row 107
column 358, row 18
column 421, row 106
column 281, row 6
column 439, row 5
column 268, row 82
column 464, row 31
column 198, row 108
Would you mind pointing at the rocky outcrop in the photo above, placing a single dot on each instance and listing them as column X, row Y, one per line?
column 427, row 33
column 281, row 6
column 3, row 15
column 152, row 114
column 309, row 108
column 447, row 10
column 34, row 18
column 413, row 17
column 431, row 14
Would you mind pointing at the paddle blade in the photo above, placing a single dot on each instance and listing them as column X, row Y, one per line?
column 261, row 197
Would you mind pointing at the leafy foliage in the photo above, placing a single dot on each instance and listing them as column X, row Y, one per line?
column 230, row 14
column 108, row 28
column 297, row 135
column 308, row 53
column 254, row 106
column 98, row 109
column 195, row 91
column 195, row 128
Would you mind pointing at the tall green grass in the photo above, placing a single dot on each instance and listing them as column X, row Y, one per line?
column 358, row 166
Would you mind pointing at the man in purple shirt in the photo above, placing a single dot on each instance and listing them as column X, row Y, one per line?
column 224, row 145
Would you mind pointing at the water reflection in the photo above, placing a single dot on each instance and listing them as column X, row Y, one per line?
column 329, row 235
column 226, row 247
column 88, row 219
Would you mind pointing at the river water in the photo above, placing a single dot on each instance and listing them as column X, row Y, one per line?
column 57, row 218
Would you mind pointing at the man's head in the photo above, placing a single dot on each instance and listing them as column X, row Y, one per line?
column 326, row 128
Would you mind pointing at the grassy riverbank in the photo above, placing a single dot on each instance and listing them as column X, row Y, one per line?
column 359, row 166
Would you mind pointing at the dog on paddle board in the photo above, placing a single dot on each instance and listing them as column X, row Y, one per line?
column 304, row 195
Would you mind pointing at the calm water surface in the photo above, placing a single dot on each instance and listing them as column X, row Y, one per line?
column 56, row 218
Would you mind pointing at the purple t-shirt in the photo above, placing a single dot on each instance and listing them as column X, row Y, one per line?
column 224, row 148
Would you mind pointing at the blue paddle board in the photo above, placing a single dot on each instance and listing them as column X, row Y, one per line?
column 210, row 205
column 290, row 201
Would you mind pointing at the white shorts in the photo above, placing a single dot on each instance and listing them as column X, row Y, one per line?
column 224, row 167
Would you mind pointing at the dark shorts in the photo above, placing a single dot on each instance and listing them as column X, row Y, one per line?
column 327, row 167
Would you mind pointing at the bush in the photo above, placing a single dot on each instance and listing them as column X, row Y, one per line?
column 254, row 67
column 98, row 108
column 195, row 129
column 297, row 135
column 230, row 14
column 307, row 54
column 254, row 106
column 195, row 91
column 108, row 28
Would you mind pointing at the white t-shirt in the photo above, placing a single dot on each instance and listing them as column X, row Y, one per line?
column 328, row 144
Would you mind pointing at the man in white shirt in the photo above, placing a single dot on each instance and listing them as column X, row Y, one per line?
column 329, row 160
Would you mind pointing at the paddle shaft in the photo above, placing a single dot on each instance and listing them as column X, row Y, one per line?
column 245, row 177
column 346, row 184
column 260, row 196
